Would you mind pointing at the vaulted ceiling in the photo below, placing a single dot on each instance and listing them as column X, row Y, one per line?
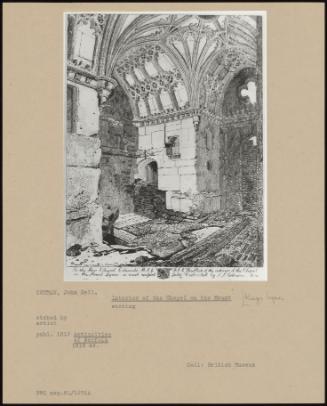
column 164, row 62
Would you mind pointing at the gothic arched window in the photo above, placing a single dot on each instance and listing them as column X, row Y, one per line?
column 142, row 108
column 153, row 104
column 165, row 62
column 151, row 70
column 181, row 95
column 166, row 100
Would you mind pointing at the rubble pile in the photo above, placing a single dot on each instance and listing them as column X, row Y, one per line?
column 215, row 240
column 148, row 200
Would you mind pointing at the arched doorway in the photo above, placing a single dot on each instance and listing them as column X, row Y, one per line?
column 147, row 171
column 151, row 173
column 149, row 201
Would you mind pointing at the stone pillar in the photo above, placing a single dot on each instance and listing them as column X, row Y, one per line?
column 173, row 98
column 137, row 108
column 208, row 198
column 147, row 105
column 118, row 158
column 159, row 103
column 83, row 152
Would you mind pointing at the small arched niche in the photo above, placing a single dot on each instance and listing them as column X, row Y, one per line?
column 151, row 173
column 147, row 171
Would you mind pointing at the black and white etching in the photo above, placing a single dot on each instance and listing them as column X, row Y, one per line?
column 165, row 147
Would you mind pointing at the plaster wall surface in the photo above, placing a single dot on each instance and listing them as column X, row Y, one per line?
column 87, row 111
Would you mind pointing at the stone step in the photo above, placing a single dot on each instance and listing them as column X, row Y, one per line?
column 129, row 219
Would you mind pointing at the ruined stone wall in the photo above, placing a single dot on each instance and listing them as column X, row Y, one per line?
column 260, row 155
column 118, row 159
column 231, row 169
column 208, row 163
column 83, row 210
column 249, row 156
column 239, row 167
column 239, row 145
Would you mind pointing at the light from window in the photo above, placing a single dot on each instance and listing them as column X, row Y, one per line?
column 181, row 95
column 151, row 70
column 165, row 100
column 129, row 79
column 165, row 62
column 142, row 108
column 251, row 92
column 153, row 104
column 139, row 74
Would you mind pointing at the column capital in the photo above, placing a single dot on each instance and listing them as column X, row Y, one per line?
column 196, row 122
column 104, row 87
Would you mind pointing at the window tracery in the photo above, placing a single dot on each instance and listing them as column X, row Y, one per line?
column 145, row 78
column 142, row 108
column 150, row 69
column 165, row 100
column 181, row 95
column 162, row 60
column 153, row 104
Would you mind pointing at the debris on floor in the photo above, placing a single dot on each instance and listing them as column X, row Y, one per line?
column 108, row 255
column 214, row 240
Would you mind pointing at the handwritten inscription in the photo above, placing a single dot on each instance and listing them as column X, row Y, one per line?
column 249, row 299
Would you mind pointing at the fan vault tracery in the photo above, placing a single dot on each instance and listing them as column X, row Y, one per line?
column 164, row 63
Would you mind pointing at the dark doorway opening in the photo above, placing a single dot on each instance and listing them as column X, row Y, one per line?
column 152, row 174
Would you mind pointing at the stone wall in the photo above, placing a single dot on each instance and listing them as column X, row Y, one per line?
column 118, row 160
column 260, row 154
column 83, row 210
column 239, row 145
column 239, row 167
column 207, row 156
column 249, row 156
column 176, row 174
column 208, row 166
